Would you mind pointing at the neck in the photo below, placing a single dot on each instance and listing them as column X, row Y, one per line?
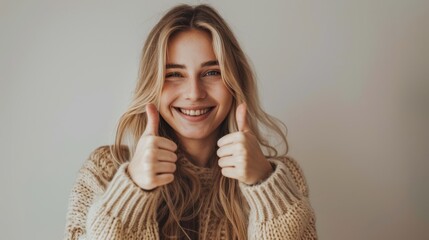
column 200, row 151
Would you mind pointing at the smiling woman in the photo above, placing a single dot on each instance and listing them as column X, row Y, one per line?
column 196, row 164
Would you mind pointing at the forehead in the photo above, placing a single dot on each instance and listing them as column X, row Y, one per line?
column 190, row 45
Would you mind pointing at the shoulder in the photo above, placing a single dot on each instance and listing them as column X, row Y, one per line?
column 296, row 173
column 102, row 163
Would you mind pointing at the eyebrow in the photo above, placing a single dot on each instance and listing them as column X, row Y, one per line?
column 205, row 64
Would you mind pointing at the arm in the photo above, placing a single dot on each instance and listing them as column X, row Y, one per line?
column 106, row 204
column 279, row 206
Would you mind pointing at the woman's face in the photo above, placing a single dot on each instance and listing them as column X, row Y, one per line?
column 194, row 99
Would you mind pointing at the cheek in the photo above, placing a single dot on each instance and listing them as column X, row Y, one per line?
column 225, row 97
column 167, row 97
column 219, row 91
column 167, row 94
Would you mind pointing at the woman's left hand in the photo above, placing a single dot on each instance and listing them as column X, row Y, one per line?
column 240, row 155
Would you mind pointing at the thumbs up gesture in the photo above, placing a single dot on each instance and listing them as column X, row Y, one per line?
column 240, row 155
column 154, row 161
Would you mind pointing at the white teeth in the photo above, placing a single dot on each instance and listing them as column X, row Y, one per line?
column 194, row 112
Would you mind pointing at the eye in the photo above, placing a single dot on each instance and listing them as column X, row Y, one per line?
column 212, row 73
column 173, row 75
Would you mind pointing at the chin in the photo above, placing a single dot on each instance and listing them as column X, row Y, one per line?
column 194, row 135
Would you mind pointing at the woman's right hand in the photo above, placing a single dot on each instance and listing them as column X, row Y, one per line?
column 154, row 161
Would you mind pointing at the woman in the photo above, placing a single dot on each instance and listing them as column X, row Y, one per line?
column 189, row 160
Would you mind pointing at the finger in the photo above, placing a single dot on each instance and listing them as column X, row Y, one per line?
column 230, row 150
column 166, row 156
column 235, row 137
column 227, row 162
column 152, row 120
column 163, row 179
column 164, row 143
column 165, row 167
column 229, row 172
column 241, row 118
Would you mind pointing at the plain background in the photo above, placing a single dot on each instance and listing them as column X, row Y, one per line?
column 349, row 79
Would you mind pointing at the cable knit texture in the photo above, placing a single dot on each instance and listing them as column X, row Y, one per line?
column 106, row 204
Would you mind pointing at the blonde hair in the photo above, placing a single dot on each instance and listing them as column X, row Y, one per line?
column 179, row 208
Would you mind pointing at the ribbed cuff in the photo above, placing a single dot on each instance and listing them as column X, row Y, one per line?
column 273, row 196
column 125, row 200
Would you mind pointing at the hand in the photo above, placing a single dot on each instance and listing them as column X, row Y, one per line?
column 154, row 161
column 240, row 155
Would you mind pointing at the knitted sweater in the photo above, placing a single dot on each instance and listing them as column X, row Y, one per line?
column 106, row 204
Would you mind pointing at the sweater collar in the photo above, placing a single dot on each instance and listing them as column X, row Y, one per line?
column 184, row 161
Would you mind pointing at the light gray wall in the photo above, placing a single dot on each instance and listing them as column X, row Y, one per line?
column 349, row 79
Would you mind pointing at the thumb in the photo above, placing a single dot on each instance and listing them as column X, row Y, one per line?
column 241, row 118
column 152, row 120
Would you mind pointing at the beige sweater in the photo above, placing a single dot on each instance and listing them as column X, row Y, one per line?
column 106, row 204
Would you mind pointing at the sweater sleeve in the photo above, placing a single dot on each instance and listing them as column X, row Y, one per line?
column 106, row 204
column 280, row 206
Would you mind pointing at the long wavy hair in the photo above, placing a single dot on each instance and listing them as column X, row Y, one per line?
column 179, row 207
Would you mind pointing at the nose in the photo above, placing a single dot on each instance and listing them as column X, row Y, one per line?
column 196, row 89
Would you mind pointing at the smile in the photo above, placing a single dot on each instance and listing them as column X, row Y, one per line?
column 195, row 112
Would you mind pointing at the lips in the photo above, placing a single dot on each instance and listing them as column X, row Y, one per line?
column 195, row 112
